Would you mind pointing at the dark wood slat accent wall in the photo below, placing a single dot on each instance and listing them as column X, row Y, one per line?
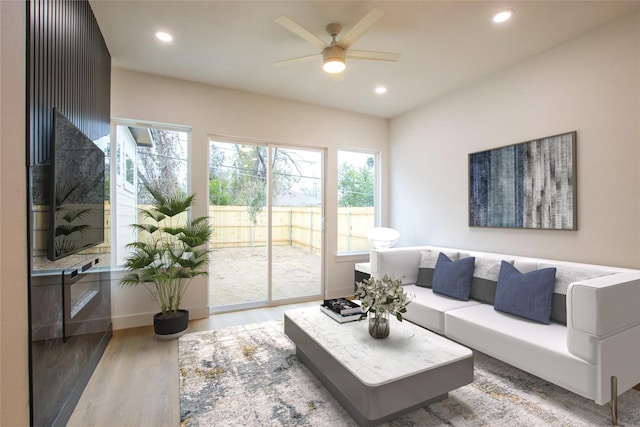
column 69, row 68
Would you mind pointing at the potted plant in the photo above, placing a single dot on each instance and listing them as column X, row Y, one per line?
column 169, row 253
column 379, row 298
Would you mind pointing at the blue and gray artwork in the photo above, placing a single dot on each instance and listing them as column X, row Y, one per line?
column 528, row 185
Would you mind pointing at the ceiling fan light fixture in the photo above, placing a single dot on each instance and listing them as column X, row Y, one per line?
column 334, row 66
column 333, row 59
column 334, row 53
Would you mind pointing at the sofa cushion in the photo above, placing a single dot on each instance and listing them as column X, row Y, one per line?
column 428, row 259
column 453, row 278
column 526, row 265
column 525, row 295
column 537, row 348
column 564, row 277
column 559, row 308
column 427, row 308
column 485, row 279
column 567, row 275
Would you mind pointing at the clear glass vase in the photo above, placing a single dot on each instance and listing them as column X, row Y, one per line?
column 379, row 325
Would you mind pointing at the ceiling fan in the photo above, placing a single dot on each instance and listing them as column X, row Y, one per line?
column 333, row 54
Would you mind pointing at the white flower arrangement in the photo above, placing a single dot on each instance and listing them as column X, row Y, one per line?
column 381, row 296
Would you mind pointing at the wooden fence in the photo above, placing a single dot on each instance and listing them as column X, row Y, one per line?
column 292, row 226
column 40, row 218
column 353, row 224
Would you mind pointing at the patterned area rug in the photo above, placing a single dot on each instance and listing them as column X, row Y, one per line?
column 250, row 376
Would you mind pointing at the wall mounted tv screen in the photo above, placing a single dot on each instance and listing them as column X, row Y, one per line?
column 77, row 191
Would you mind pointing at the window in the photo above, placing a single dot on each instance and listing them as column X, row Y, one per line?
column 161, row 163
column 129, row 173
column 145, row 156
column 357, row 189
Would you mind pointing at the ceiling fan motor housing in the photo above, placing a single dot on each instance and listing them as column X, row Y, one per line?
column 333, row 59
column 333, row 53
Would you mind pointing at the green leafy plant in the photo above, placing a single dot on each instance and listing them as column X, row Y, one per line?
column 381, row 296
column 170, row 251
column 67, row 220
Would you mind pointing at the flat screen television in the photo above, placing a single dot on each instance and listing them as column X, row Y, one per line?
column 77, row 191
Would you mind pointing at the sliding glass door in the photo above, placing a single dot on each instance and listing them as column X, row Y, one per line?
column 267, row 212
column 297, row 223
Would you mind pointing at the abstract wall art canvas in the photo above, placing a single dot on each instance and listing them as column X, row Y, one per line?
column 526, row 185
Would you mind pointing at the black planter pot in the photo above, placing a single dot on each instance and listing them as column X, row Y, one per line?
column 171, row 327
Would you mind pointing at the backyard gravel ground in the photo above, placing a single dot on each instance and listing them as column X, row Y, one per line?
column 239, row 275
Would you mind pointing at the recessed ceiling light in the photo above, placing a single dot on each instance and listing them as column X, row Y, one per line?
column 503, row 15
column 380, row 90
column 165, row 37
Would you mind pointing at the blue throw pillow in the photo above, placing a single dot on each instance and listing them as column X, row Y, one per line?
column 525, row 295
column 453, row 278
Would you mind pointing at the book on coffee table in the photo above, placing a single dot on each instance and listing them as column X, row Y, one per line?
column 341, row 310
column 342, row 306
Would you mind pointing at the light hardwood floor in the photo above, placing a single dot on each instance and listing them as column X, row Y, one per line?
column 136, row 381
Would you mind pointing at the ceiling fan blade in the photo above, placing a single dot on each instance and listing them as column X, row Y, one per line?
column 300, row 31
column 297, row 60
column 354, row 33
column 375, row 56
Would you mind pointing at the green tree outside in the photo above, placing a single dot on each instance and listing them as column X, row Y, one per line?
column 356, row 185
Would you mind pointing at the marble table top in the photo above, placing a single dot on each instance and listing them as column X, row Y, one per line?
column 408, row 350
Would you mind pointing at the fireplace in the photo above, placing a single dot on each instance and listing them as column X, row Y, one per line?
column 70, row 329
column 81, row 296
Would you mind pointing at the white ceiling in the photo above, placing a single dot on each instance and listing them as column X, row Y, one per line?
column 444, row 44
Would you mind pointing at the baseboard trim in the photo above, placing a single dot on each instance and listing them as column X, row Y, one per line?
column 146, row 319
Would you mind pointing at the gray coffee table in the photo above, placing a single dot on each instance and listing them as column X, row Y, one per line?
column 378, row 380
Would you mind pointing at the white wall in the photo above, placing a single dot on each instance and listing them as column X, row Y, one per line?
column 214, row 110
column 589, row 84
column 14, row 339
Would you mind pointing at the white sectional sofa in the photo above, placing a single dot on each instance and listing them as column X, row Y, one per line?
column 591, row 346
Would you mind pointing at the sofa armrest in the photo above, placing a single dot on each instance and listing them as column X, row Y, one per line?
column 600, row 308
column 605, row 305
column 398, row 263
